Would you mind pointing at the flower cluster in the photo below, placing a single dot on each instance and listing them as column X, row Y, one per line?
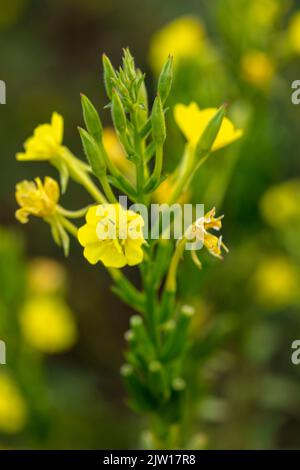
column 128, row 160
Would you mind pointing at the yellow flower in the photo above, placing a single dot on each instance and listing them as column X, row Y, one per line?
column 47, row 324
column 199, row 230
column 183, row 38
column 116, row 152
column 13, row 409
column 294, row 32
column 280, row 205
column 192, row 121
column 46, row 142
column 36, row 198
column 276, row 282
column 257, row 68
column 112, row 235
column 45, row 276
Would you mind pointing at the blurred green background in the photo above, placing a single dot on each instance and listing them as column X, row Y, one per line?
column 65, row 391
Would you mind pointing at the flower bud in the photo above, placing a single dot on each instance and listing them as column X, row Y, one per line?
column 165, row 80
column 118, row 113
column 158, row 122
column 91, row 119
column 109, row 75
column 93, row 153
column 210, row 134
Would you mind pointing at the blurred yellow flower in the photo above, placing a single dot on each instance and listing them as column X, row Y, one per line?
column 112, row 235
column 294, row 32
column 162, row 193
column 276, row 282
column 264, row 12
column 48, row 325
column 257, row 68
column 13, row 409
column 45, row 276
column 116, row 152
column 192, row 121
column 36, row 198
column 46, row 142
column 280, row 205
column 183, row 37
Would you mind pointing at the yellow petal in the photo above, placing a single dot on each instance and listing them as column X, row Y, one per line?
column 22, row 215
column 87, row 234
column 93, row 252
column 92, row 217
column 192, row 122
column 188, row 120
column 57, row 123
column 111, row 257
column 133, row 252
column 51, row 189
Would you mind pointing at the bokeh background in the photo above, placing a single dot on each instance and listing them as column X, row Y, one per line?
column 63, row 327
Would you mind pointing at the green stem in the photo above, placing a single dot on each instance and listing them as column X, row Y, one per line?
column 189, row 168
column 131, row 294
column 80, row 175
column 107, row 189
column 115, row 172
column 72, row 214
column 154, row 180
column 171, row 284
column 71, row 228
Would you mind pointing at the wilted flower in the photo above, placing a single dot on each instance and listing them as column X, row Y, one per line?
column 47, row 324
column 46, row 142
column 257, row 68
column 182, row 38
column 112, row 235
column 199, row 231
column 192, row 121
column 13, row 409
column 36, row 198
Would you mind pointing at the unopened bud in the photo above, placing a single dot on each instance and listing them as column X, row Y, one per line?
column 165, row 80
column 158, row 122
column 91, row 118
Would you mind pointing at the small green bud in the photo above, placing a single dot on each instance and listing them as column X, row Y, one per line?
column 140, row 396
column 157, row 380
column 165, row 80
column 128, row 64
column 91, row 119
column 118, row 113
column 93, row 153
column 138, row 328
column 158, row 122
column 210, row 133
column 142, row 100
column 109, row 75
column 176, row 342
